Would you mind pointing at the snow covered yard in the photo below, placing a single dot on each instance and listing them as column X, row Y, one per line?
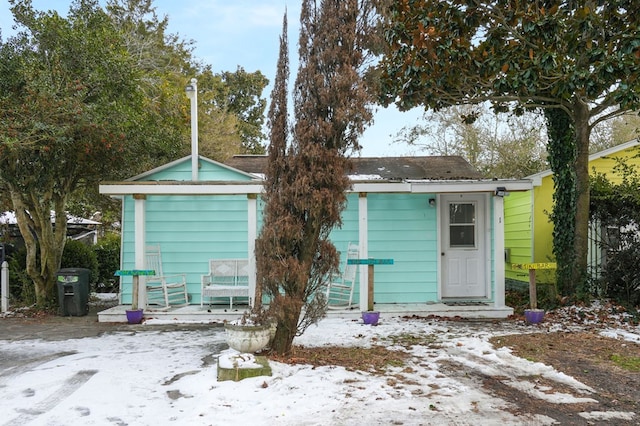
column 157, row 377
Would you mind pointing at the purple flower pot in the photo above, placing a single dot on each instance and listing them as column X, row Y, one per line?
column 135, row 316
column 371, row 317
column 533, row 316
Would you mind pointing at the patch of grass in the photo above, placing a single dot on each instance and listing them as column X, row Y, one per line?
column 407, row 340
column 530, row 347
column 375, row 359
column 396, row 363
column 629, row 363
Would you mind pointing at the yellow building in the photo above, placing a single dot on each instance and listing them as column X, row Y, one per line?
column 528, row 228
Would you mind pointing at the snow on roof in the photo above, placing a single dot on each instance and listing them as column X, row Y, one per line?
column 9, row 218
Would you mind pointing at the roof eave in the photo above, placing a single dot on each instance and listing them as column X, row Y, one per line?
column 256, row 187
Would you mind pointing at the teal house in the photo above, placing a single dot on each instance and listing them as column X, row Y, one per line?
column 440, row 222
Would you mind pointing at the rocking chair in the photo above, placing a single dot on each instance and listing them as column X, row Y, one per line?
column 340, row 288
column 164, row 291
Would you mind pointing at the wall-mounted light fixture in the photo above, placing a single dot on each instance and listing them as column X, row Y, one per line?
column 501, row 191
column 432, row 202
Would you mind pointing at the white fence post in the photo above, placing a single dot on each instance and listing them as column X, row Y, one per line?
column 4, row 293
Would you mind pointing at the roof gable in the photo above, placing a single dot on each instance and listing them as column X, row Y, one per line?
column 180, row 170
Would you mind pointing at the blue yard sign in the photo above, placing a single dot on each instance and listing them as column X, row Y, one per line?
column 370, row 263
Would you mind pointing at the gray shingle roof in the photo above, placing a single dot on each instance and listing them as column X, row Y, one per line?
column 386, row 168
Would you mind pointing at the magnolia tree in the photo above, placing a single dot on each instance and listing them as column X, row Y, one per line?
column 99, row 95
column 68, row 99
column 578, row 60
column 307, row 178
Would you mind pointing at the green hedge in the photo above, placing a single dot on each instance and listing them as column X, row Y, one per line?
column 102, row 260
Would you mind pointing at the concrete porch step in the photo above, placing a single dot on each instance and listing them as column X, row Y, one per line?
column 220, row 314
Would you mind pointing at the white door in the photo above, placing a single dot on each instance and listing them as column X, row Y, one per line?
column 463, row 246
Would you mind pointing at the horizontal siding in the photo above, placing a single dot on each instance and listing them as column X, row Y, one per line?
column 606, row 165
column 348, row 233
column 190, row 231
column 542, row 225
column 403, row 227
column 518, row 232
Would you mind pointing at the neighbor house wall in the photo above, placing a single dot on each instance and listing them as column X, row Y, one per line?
column 606, row 164
column 542, row 199
column 518, row 233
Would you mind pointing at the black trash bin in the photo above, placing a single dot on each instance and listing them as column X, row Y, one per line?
column 73, row 291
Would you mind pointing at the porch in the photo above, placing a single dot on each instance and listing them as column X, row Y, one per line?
column 221, row 313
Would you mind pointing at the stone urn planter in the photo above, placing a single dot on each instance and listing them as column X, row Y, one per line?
column 248, row 338
column 371, row 317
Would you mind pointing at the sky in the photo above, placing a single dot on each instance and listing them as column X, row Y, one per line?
column 245, row 33
column 153, row 377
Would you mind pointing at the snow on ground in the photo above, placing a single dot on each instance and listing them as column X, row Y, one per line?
column 622, row 334
column 152, row 377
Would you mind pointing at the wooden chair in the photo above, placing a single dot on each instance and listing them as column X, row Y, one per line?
column 164, row 291
column 340, row 288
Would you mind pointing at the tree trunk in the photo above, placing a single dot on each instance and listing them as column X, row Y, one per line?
column 44, row 242
column 581, row 242
column 290, row 304
column 289, row 313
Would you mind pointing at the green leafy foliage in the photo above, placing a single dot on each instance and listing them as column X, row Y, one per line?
column 77, row 254
column 239, row 94
column 98, row 95
column 616, row 203
column 102, row 259
column 107, row 253
column 616, row 207
column 579, row 57
column 21, row 288
column 562, row 157
column 69, row 103
column 620, row 278
column 442, row 51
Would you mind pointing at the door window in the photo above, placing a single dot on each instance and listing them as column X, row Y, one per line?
column 462, row 225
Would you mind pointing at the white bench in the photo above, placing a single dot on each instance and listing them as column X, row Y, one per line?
column 226, row 278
